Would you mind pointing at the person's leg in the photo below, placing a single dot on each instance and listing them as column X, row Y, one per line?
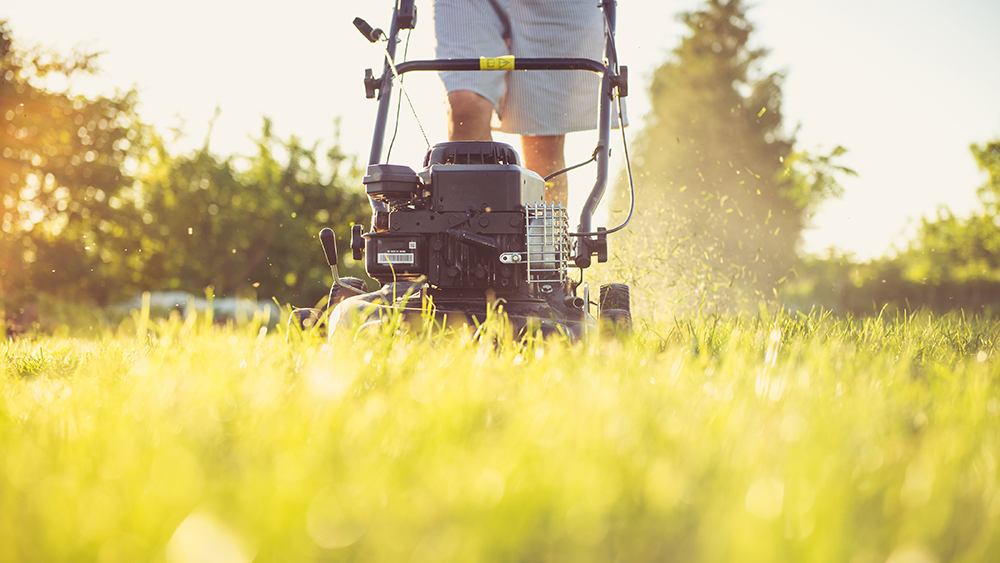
column 544, row 154
column 469, row 116
column 468, row 29
column 543, row 106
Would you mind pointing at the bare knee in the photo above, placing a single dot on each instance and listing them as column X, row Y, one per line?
column 469, row 116
column 544, row 155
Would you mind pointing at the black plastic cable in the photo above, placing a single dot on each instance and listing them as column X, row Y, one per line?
column 628, row 172
column 593, row 158
column 399, row 100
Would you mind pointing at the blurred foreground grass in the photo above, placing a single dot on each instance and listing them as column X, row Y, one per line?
column 756, row 438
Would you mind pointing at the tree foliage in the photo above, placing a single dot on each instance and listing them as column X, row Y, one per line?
column 956, row 249
column 66, row 193
column 988, row 159
column 243, row 225
column 96, row 207
column 725, row 193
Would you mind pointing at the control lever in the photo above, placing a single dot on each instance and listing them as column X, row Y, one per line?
column 329, row 242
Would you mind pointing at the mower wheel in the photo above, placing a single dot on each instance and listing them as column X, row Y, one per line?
column 338, row 293
column 305, row 319
column 615, row 311
column 616, row 322
column 615, row 296
column 357, row 283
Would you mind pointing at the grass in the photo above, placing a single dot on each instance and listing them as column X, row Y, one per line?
column 773, row 437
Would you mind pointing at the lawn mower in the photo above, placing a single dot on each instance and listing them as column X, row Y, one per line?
column 471, row 234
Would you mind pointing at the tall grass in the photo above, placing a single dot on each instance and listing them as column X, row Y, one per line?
column 773, row 437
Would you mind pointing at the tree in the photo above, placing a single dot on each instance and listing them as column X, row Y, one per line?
column 245, row 225
column 68, row 205
column 724, row 193
column 988, row 159
column 957, row 250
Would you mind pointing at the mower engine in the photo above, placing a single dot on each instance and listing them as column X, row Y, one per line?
column 471, row 227
column 471, row 220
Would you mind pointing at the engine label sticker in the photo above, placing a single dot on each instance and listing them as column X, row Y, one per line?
column 395, row 258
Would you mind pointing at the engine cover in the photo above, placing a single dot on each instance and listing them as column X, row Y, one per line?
column 483, row 187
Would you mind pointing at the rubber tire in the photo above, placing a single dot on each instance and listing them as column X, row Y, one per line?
column 615, row 296
column 356, row 283
column 615, row 310
column 305, row 319
column 338, row 294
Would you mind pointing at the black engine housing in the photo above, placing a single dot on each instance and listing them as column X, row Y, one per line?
column 450, row 223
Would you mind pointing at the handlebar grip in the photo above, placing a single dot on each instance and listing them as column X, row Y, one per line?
column 367, row 30
column 329, row 242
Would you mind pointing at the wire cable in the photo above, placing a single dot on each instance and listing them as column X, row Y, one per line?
column 593, row 158
column 399, row 100
column 392, row 66
column 628, row 173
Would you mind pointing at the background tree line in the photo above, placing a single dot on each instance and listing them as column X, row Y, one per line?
column 951, row 263
column 95, row 207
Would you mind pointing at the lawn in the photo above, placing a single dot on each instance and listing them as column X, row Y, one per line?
column 766, row 437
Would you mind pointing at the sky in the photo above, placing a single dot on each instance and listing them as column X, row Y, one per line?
column 905, row 86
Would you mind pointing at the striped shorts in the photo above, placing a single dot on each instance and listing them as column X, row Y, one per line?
column 527, row 102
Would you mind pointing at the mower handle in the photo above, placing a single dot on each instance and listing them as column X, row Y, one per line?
column 503, row 64
column 404, row 17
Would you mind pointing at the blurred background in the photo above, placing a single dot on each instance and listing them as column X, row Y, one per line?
column 837, row 154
